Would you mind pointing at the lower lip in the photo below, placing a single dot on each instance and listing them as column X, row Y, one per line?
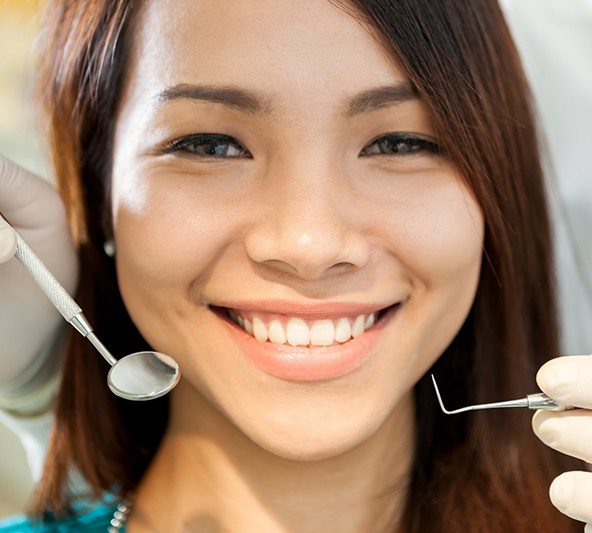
column 299, row 363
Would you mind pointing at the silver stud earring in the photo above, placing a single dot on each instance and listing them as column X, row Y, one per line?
column 109, row 247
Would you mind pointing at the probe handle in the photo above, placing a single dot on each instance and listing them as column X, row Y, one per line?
column 542, row 401
column 52, row 288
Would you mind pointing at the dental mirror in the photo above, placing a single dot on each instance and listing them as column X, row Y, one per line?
column 138, row 376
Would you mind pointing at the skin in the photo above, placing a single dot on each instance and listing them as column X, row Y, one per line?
column 305, row 218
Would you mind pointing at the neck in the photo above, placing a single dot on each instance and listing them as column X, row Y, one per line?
column 209, row 476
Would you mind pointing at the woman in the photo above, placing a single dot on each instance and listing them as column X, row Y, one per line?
column 272, row 175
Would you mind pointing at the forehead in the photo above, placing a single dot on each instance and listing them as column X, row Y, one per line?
column 281, row 47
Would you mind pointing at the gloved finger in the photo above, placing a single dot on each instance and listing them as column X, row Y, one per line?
column 568, row 379
column 571, row 493
column 569, row 432
column 7, row 240
column 588, row 528
column 20, row 191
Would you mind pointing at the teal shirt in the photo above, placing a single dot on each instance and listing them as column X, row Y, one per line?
column 95, row 518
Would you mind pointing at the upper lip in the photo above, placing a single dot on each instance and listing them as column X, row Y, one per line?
column 310, row 311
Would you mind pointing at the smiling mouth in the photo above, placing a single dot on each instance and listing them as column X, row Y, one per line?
column 294, row 331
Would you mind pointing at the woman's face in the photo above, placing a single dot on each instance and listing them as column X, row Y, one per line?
column 302, row 200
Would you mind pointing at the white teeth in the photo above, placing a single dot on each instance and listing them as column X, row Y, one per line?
column 276, row 332
column 358, row 327
column 322, row 333
column 298, row 333
column 259, row 329
column 342, row 330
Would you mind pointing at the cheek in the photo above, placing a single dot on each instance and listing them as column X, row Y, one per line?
column 167, row 234
column 437, row 239
column 167, row 237
column 443, row 235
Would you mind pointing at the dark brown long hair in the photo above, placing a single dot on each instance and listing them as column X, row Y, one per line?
column 484, row 471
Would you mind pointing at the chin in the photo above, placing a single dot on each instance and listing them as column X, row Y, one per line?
column 311, row 448
column 313, row 438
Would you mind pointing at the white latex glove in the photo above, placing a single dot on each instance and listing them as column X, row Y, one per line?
column 28, row 320
column 568, row 379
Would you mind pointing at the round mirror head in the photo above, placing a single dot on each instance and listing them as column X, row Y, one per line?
column 143, row 375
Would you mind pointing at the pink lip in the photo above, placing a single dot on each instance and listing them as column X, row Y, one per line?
column 308, row 311
column 298, row 363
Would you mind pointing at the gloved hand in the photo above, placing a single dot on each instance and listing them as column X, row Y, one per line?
column 568, row 379
column 28, row 320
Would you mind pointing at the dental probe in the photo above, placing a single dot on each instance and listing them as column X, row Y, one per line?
column 532, row 401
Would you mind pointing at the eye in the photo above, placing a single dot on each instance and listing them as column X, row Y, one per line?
column 400, row 144
column 206, row 146
column 219, row 146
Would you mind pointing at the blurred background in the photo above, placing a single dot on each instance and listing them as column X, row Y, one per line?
column 19, row 24
column 555, row 41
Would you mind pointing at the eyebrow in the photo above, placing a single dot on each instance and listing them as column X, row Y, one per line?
column 258, row 104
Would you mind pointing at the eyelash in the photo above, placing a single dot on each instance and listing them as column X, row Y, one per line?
column 414, row 144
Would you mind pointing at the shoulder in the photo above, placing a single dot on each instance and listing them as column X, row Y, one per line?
column 97, row 519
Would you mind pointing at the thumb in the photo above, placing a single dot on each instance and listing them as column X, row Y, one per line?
column 7, row 240
column 25, row 198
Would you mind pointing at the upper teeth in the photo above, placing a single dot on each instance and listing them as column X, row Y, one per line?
column 297, row 332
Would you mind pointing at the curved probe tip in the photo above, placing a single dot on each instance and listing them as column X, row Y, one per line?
column 438, row 395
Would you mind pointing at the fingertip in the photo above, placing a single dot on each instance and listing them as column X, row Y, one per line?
column 7, row 243
column 539, row 375
column 535, row 420
column 560, row 490
column 543, row 374
column 558, row 377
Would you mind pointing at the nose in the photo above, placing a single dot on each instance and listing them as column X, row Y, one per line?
column 308, row 224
